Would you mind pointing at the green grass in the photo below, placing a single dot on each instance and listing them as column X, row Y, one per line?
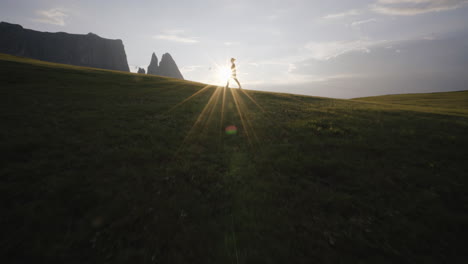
column 106, row 167
column 449, row 102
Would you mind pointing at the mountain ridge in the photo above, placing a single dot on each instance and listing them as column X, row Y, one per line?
column 89, row 50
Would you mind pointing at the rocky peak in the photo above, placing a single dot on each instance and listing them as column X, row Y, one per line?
column 168, row 67
column 153, row 66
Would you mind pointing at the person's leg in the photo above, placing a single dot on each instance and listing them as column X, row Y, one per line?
column 238, row 83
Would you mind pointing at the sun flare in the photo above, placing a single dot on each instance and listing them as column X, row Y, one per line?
column 222, row 74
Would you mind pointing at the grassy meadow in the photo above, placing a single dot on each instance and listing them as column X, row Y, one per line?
column 101, row 166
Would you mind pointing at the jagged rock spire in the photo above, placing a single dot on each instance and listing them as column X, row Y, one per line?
column 169, row 68
column 153, row 66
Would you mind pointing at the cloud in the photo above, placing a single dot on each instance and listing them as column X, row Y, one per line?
column 176, row 38
column 414, row 65
column 363, row 22
column 54, row 16
column 175, row 35
column 352, row 12
column 322, row 51
column 415, row 7
column 231, row 43
column 402, row 8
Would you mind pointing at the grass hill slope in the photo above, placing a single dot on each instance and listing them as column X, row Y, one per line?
column 448, row 102
column 107, row 167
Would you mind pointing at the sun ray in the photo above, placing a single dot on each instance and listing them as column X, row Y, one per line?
column 245, row 110
column 189, row 98
column 265, row 114
column 223, row 103
column 253, row 100
column 200, row 119
column 245, row 125
column 212, row 111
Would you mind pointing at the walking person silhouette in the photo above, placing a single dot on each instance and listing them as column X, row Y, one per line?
column 233, row 74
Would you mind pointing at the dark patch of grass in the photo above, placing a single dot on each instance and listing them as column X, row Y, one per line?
column 99, row 167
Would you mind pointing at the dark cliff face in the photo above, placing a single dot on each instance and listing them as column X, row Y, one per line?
column 167, row 67
column 82, row 50
column 153, row 66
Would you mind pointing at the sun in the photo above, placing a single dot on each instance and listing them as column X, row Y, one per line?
column 222, row 74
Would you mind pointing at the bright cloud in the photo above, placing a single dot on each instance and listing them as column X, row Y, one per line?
column 54, row 16
column 176, row 36
column 328, row 50
column 363, row 22
column 353, row 12
column 415, row 7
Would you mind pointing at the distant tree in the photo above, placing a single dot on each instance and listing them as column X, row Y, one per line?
column 141, row 70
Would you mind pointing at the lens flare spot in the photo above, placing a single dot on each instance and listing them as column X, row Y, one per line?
column 231, row 130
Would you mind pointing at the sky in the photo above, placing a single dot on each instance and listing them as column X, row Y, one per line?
column 340, row 49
